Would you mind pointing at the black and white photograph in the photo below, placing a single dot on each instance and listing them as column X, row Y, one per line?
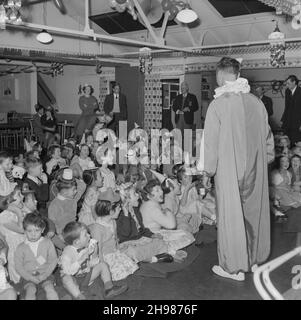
column 150, row 154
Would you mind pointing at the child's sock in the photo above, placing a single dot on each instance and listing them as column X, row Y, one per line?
column 154, row 259
column 108, row 285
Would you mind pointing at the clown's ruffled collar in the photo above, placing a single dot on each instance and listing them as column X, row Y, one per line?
column 240, row 85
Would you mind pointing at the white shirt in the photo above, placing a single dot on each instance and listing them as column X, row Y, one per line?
column 116, row 108
column 34, row 179
column 293, row 91
column 34, row 245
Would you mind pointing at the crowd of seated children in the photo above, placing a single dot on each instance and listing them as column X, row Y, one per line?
column 285, row 178
column 66, row 215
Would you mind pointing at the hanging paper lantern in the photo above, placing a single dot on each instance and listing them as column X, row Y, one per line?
column 277, row 48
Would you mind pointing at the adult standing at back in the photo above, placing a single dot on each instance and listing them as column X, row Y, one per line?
column 37, row 125
column 116, row 107
column 291, row 118
column 88, row 105
column 267, row 101
column 184, row 107
column 238, row 144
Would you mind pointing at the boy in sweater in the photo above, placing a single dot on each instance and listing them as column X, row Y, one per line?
column 37, row 181
column 81, row 263
column 36, row 259
column 63, row 207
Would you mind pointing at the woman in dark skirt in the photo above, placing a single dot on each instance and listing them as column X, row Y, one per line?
column 49, row 123
column 89, row 105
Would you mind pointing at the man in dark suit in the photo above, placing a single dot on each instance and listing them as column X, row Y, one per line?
column 291, row 118
column 37, row 125
column 184, row 107
column 115, row 106
column 267, row 101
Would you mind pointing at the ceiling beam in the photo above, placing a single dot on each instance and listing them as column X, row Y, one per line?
column 91, row 36
column 42, row 61
column 147, row 23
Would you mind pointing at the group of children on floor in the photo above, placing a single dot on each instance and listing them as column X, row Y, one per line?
column 285, row 176
column 68, row 211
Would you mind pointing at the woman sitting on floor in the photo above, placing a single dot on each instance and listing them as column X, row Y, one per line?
column 162, row 221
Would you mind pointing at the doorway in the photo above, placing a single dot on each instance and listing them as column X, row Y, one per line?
column 170, row 89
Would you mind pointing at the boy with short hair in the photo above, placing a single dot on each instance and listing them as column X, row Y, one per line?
column 6, row 165
column 63, row 207
column 36, row 259
column 81, row 264
column 38, row 182
column 30, row 206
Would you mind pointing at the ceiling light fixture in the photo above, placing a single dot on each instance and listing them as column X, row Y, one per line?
column 44, row 37
column 187, row 15
column 180, row 10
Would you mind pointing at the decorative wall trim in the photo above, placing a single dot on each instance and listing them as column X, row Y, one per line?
column 247, row 64
column 169, row 69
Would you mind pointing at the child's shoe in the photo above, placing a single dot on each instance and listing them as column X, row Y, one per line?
column 80, row 297
column 164, row 257
column 115, row 291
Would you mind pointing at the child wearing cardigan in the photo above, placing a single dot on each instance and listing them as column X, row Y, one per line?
column 36, row 259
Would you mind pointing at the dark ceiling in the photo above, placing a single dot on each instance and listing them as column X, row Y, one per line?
column 233, row 8
column 115, row 22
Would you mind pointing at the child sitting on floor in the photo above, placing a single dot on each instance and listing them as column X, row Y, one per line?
column 94, row 182
column 6, row 290
column 63, row 207
column 11, row 228
column 81, row 265
column 36, row 259
column 37, row 181
column 191, row 202
column 105, row 232
column 106, row 159
column 67, row 153
column 56, row 161
column 6, row 165
column 135, row 240
column 30, row 206
column 83, row 158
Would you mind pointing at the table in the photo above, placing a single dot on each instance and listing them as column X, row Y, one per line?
column 65, row 130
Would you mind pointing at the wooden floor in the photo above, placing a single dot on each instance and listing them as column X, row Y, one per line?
column 197, row 282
